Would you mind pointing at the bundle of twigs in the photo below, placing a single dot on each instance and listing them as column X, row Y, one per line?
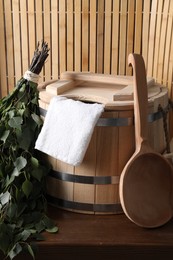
column 22, row 173
column 40, row 55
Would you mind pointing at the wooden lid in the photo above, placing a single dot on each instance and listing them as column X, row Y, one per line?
column 112, row 91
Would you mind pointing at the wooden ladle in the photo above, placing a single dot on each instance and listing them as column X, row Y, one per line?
column 146, row 181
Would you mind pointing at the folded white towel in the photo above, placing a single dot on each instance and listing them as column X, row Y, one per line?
column 67, row 129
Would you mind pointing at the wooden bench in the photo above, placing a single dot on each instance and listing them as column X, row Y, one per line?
column 108, row 237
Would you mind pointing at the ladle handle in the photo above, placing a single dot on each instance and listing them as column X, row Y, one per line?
column 140, row 98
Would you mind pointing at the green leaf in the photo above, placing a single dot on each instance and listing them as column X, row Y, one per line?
column 20, row 163
column 15, row 251
column 25, row 235
column 8, row 180
column 2, row 129
column 37, row 174
column 50, row 226
column 35, row 100
column 21, row 207
column 11, row 210
column 33, row 86
column 30, row 251
column 5, row 237
column 5, row 197
column 52, row 230
column 4, row 242
column 25, row 137
column 5, row 135
column 2, row 170
column 11, row 113
column 21, row 111
column 16, row 122
column 32, row 203
column 37, row 119
column 32, row 231
column 34, row 162
column 40, row 226
column 27, row 187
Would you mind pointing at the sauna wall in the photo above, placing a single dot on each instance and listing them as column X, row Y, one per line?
column 86, row 35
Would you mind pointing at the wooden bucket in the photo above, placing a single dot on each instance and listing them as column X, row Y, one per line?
column 93, row 186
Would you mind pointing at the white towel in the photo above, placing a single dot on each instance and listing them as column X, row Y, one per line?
column 67, row 129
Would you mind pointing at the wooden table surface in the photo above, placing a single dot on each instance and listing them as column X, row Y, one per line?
column 108, row 237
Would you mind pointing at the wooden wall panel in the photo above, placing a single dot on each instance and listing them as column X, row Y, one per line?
column 86, row 35
column 151, row 40
column 122, row 38
column 16, row 37
column 92, row 45
column 3, row 70
column 47, row 37
column 77, row 35
column 24, row 36
column 107, row 37
column 8, row 29
column 130, row 33
column 54, row 39
column 145, row 29
column 115, row 37
column 138, row 26
column 31, row 27
column 70, row 35
column 62, row 36
column 100, row 36
column 39, row 25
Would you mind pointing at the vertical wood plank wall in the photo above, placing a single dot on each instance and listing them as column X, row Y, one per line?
column 86, row 35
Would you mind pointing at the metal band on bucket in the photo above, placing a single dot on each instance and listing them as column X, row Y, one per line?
column 122, row 121
column 113, row 208
column 84, row 179
column 99, row 180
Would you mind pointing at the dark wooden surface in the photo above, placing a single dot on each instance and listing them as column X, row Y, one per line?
column 108, row 237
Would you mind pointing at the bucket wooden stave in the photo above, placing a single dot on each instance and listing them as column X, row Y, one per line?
column 93, row 186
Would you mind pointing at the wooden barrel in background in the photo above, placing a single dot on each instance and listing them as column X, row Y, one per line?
column 93, row 186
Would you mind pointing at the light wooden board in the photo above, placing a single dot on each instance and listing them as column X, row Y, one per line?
column 122, row 44
column 138, row 26
column 162, row 41
column 145, row 29
column 157, row 37
column 55, row 39
column 100, row 36
column 85, row 28
column 168, row 43
column 152, row 38
column 115, row 38
column 170, row 70
column 85, row 193
column 9, row 45
column 107, row 161
column 24, row 36
column 39, row 28
column 107, row 36
column 62, row 36
column 70, row 35
column 92, row 46
column 3, row 71
column 17, row 45
column 77, row 35
column 31, row 28
column 47, row 37
column 130, row 33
